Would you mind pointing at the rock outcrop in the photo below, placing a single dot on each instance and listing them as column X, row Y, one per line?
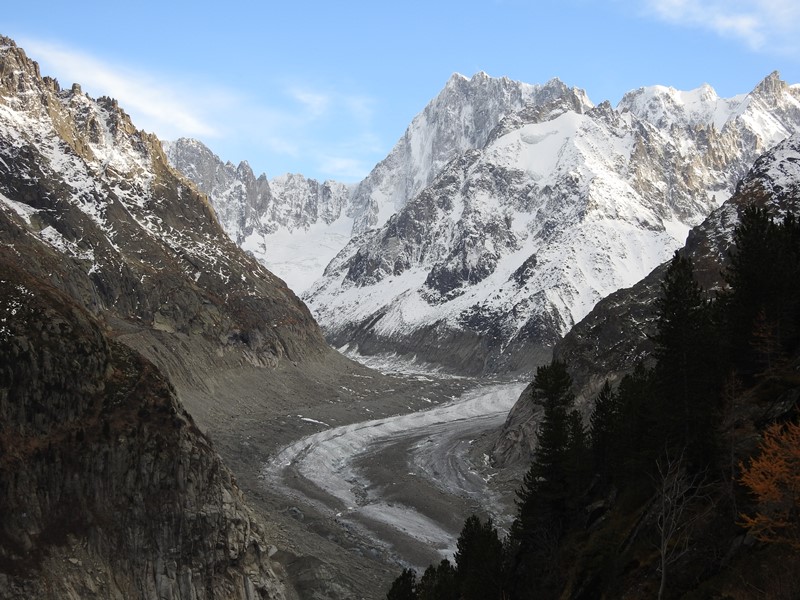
column 107, row 487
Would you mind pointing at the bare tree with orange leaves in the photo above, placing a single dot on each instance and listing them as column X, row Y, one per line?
column 773, row 477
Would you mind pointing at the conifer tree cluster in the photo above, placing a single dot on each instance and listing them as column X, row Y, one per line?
column 656, row 437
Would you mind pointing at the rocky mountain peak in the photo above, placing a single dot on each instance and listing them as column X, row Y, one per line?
column 255, row 211
column 555, row 102
column 460, row 118
column 19, row 74
column 455, row 79
column 245, row 170
column 666, row 106
column 772, row 86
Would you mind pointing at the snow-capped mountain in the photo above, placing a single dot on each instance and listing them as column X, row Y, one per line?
column 515, row 241
column 295, row 225
column 460, row 118
column 504, row 213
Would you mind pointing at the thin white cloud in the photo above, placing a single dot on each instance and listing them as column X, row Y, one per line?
column 158, row 105
column 763, row 25
column 328, row 130
column 316, row 104
column 342, row 167
column 361, row 108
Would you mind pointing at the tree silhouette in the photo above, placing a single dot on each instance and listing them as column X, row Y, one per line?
column 439, row 583
column 404, row 587
column 604, row 428
column 685, row 372
column 764, row 281
column 479, row 560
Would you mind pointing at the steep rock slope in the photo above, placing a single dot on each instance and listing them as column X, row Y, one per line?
column 616, row 334
column 513, row 243
column 107, row 487
column 295, row 225
column 92, row 218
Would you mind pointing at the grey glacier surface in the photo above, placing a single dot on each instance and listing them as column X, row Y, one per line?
column 430, row 448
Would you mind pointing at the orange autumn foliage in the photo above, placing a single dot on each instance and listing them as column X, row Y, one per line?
column 773, row 477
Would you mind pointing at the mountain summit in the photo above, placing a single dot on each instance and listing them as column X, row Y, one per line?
column 507, row 210
column 295, row 225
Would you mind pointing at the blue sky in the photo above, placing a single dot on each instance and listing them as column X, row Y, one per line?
column 326, row 89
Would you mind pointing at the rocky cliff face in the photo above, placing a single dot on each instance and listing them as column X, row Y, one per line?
column 107, row 487
column 247, row 199
column 617, row 332
column 513, row 243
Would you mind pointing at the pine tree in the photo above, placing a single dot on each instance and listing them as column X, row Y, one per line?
column 604, row 426
column 404, row 587
column 439, row 583
column 639, row 437
column 686, row 370
column 547, row 477
column 577, row 465
column 764, row 281
column 544, row 500
column 479, row 561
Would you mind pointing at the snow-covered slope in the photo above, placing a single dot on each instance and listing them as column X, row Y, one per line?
column 514, row 242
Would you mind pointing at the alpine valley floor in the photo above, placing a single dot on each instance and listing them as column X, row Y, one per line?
column 357, row 489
